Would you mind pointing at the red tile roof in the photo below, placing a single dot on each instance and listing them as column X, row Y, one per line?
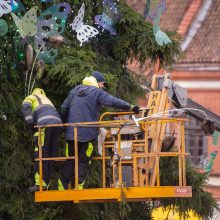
column 189, row 16
column 205, row 46
column 169, row 20
column 174, row 13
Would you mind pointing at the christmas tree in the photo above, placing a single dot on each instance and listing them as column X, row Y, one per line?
column 104, row 52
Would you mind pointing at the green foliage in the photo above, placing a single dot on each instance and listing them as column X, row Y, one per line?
column 202, row 203
column 135, row 40
column 107, row 54
column 15, row 161
column 70, row 69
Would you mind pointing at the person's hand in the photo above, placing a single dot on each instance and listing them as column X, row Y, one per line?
column 135, row 109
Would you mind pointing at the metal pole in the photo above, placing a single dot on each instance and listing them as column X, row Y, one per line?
column 157, row 156
column 103, row 167
column 180, row 156
column 119, row 152
column 40, row 158
column 146, row 151
column 183, row 152
column 76, row 157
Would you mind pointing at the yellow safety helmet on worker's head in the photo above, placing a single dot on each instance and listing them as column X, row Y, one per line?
column 38, row 91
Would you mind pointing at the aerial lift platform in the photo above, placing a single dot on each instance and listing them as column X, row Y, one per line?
column 137, row 157
column 131, row 151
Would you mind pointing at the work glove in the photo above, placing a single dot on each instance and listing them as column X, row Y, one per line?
column 135, row 109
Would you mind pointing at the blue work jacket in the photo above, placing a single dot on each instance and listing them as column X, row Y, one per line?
column 83, row 104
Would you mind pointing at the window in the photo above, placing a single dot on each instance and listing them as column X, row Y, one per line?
column 196, row 142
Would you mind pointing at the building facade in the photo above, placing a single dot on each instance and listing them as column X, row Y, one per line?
column 198, row 70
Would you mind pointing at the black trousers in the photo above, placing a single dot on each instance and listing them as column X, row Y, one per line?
column 84, row 157
column 49, row 149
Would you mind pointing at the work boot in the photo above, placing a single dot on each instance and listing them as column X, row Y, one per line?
column 36, row 188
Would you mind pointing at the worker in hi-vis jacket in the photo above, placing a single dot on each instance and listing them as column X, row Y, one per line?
column 37, row 109
column 83, row 104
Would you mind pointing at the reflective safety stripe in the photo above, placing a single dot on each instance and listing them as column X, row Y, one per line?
column 29, row 117
column 37, row 180
column 67, row 150
column 43, row 105
column 26, row 103
column 80, row 186
column 48, row 117
column 89, row 150
column 29, row 100
column 36, row 133
column 60, row 185
column 42, row 136
column 37, row 100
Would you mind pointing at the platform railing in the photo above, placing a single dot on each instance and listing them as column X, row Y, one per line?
column 157, row 154
column 108, row 124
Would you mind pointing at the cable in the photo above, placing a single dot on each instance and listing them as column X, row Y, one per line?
column 125, row 36
column 29, row 84
column 195, row 109
column 164, row 113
